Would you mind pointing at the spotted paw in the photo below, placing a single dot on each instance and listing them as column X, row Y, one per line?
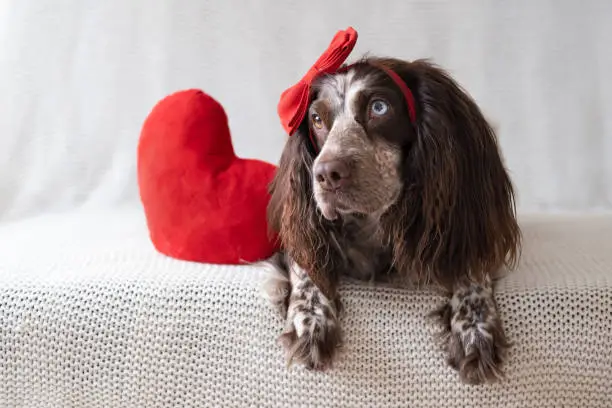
column 473, row 336
column 311, row 338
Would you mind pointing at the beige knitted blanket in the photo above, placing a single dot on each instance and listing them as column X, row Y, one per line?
column 92, row 317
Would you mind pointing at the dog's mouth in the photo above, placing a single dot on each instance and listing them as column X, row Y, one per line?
column 329, row 210
column 335, row 204
column 332, row 204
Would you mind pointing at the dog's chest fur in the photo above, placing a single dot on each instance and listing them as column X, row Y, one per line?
column 364, row 247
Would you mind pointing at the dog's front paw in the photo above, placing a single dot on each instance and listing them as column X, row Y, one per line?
column 311, row 337
column 473, row 337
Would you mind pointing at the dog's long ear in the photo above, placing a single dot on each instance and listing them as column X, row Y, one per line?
column 466, row 226
column 293, row 215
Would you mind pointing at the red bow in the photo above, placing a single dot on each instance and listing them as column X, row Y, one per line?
column 294, row 101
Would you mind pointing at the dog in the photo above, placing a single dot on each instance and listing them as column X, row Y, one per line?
column 374, row 189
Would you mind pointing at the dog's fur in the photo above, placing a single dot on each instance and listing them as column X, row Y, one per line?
column 428, row 201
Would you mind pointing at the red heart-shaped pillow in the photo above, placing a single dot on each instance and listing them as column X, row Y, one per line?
column 202, row 203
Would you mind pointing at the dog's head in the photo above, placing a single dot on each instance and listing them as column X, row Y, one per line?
column 360, row 125
column 437, row 180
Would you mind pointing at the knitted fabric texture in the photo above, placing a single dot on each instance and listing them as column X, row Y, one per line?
column 98, row 319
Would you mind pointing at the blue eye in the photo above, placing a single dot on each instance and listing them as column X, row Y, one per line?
column 379, row 107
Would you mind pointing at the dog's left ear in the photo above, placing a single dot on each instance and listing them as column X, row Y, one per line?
column 456, row 176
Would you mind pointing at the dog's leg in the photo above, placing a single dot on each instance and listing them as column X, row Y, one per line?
column 312, row 332
column 473, row 335
column 276, row 287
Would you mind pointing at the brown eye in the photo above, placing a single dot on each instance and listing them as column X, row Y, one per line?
column 317, row 121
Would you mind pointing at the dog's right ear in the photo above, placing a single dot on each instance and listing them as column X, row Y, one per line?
column 293, row 215
column 292, row 186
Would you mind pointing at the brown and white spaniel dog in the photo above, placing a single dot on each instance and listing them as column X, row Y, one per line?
column 364, row 191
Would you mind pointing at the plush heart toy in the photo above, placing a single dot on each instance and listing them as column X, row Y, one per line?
column 202, row 203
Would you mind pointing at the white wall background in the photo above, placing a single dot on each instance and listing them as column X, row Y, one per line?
column 78, row 77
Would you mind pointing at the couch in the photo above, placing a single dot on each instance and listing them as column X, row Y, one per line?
column 91, row 316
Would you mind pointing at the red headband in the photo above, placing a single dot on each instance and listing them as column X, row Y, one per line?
column 293, row 102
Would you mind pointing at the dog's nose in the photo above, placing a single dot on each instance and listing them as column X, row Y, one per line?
column 332, row 174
